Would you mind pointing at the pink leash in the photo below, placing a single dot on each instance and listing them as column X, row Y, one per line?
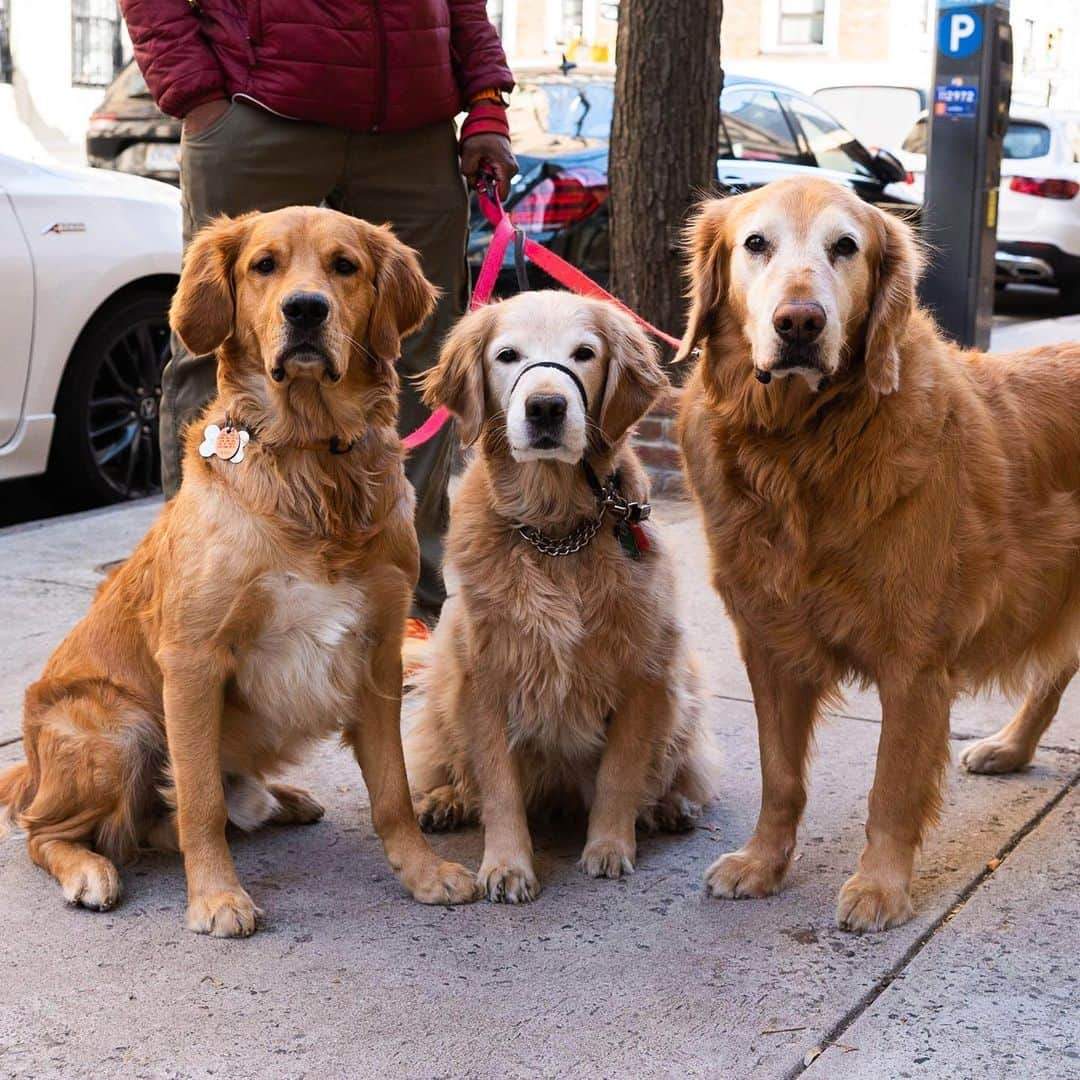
column 548, row 261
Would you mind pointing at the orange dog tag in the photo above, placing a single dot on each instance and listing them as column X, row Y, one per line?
column 227, row 443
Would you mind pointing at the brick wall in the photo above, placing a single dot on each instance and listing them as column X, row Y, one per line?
column 658, row 448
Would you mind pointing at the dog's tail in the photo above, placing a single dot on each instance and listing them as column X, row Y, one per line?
column 16, row 794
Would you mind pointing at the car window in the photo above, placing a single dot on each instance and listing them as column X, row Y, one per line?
column 1026, row 140
column 917, row 139
column 832, row 146
column 878, row 115
column 582, row 110
column 755, row 127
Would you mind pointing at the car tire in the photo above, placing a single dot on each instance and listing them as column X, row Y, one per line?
column 105, row 443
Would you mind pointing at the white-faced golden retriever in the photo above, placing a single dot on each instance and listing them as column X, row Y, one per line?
column 880, row 505
column 559, row 677
column 266, row 606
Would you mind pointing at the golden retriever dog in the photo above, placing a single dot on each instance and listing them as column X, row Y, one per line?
column 880, row 505
column 266, row 606
column 559, row 679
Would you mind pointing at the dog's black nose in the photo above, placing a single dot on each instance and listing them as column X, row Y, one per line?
column 799, row 322
column 305, row 310
column 545, row 410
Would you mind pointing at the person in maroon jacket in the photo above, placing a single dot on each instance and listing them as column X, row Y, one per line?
column 348, row 103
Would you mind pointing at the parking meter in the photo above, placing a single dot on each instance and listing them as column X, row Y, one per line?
column 969, row 114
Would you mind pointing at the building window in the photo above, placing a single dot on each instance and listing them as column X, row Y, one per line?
column 97, row 49
column 7, row 68
column 801, row 22
column 571, row 20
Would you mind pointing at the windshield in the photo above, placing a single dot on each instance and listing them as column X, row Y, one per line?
column 581, row 110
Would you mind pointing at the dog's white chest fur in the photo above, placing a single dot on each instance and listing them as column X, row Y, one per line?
column 303, row 665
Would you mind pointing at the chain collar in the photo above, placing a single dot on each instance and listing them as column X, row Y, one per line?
column 563, row 545
column 608, row 498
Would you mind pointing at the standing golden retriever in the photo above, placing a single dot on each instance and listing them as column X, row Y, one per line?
column 559, row 677
column 266, row 606
column 880, row 505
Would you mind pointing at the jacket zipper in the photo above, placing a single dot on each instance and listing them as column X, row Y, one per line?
column 380, row 66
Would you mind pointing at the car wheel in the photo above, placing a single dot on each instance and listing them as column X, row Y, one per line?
column 105, row 446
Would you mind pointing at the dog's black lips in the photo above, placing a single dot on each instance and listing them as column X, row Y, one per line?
column 543, row 442
column 311, row 350
column 796, row 356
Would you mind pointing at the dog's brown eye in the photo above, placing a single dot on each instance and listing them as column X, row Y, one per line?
column 265, row 265
column 507, row 356
column 755, row 243
column 845, row 246
column 583, row 353
column 344, row 266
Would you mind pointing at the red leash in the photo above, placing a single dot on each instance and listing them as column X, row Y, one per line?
column 547, row 260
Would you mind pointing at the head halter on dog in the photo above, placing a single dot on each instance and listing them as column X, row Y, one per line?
column 609, row 499
column 558, row 367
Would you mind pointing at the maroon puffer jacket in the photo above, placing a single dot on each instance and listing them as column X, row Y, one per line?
column 374, row 65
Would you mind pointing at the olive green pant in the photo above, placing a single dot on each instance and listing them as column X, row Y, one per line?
column 251, row 159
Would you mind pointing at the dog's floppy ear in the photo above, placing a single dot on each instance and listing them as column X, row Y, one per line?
column 204, row 305
column 899, row 266
column 704, row 242
column 634, row 377
column 457, row 380
column 404, row 298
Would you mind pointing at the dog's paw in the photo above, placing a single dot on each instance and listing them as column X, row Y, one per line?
column 443, row 883
column 607, row 858
column 295, row 806
column 674, row 813
column 224, row 914
column 994, row 755
column 866, row 904
column 94, row 883
column 740, row 875
column 509, row 883
column 440, row 809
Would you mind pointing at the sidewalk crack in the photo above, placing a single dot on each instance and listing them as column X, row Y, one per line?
column 863, row 1004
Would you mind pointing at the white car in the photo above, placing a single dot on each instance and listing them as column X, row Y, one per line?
column 1039, row 206
column 88, row 264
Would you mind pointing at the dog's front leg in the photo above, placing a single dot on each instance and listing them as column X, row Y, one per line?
column 639, row 726
column 506, row 874
column 786, row 709
column 913, row 752
column 194, row 696
column 375, row 736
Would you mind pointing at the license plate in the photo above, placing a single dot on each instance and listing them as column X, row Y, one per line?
column 163, row 157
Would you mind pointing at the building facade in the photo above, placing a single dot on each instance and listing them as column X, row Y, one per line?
column 809, row 44
column 56, row 58
column 538, row 33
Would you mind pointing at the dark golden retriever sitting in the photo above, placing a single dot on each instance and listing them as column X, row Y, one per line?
column 880, row 506
column 266, row 606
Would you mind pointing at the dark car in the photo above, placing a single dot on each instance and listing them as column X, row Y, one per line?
column 130, row 134
column 561, row 126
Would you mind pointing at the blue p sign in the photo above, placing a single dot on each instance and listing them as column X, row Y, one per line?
column 960, row 33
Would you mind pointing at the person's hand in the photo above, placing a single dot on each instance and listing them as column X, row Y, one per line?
column 495, row 150
column 202, row 116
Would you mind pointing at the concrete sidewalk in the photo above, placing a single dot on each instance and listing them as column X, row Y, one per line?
column 643, row 977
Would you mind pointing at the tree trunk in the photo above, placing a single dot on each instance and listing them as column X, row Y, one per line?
column 664, row 143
